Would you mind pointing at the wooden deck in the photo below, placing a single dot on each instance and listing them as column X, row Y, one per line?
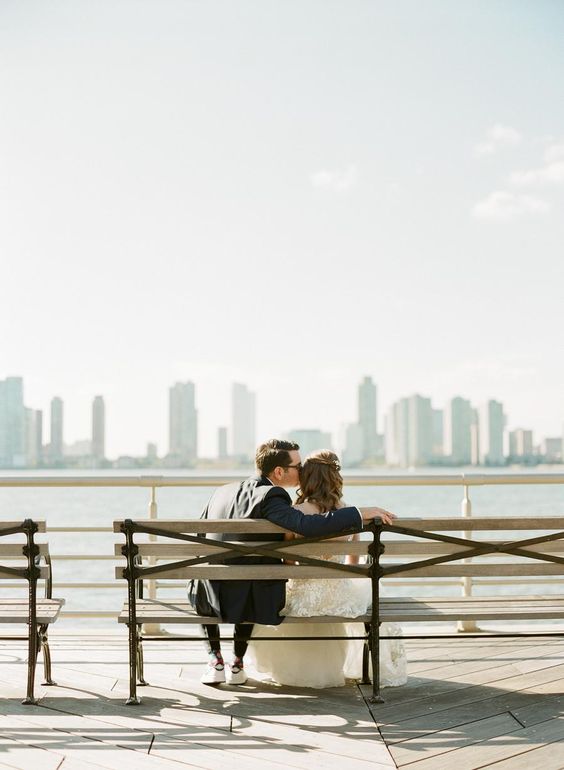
column 468, row 704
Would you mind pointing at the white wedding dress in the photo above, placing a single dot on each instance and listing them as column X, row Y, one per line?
column 318, row 663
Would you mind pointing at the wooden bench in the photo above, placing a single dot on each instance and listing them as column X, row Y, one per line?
column 198, row 557
column 37, row 613
column 426, row 548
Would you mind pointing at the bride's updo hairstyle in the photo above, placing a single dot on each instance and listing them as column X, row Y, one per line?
column 321, row 481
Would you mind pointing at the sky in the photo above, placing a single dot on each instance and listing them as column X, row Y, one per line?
column 292, row 195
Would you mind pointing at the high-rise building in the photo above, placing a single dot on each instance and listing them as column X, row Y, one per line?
column 310, row 440
column 420, row 421
column 457, row 438
column 491, row 426
column 409, row 432
column 33, row 437
column 183, row 422
column 367, row 417
column 438, row 419
column 353, row 453
column 12, row 423
column 521, row 445
column 243, row 422
column 98, row 429
column 551, row 449
column 56, row 441
column 397, row 434
column 222, row 452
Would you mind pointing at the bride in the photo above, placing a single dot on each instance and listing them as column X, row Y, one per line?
column 318, row 664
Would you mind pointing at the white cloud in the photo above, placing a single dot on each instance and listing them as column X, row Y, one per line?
column 497, row 137
column 554, row 153
column 502, row 205
column 551, row 173
column 339, row 181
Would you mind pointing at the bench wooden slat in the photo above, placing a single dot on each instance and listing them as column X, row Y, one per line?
column 14, row 550
column 16, row 611
column 528, row 569
column 43, row 574
column 391, row 609
column 248, row 572
column 41, row 526
column 435, row 524
column 174, row 551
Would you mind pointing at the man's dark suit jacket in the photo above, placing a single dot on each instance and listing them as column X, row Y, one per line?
column 260, row 601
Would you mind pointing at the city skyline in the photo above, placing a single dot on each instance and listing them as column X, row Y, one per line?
column 415, row 433
column 290, row 198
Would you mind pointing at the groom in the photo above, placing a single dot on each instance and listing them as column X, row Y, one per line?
column 245, row 602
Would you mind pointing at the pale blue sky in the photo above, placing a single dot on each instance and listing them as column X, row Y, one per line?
column 287, row 194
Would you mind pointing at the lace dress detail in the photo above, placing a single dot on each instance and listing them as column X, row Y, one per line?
column 318, row 663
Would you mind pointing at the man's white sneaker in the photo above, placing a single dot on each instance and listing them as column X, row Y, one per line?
column 214, row 673
column 236, row 673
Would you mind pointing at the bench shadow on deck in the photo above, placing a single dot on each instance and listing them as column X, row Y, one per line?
column 468, row 704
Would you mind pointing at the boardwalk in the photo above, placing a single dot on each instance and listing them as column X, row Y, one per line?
column 468, row 704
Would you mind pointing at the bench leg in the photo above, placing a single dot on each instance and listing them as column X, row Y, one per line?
column 366, row 657
column 44, row 641
column 140, row 670
column 33, row 644
column 133, row 700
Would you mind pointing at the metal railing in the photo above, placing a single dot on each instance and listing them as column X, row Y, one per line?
column 154, row 483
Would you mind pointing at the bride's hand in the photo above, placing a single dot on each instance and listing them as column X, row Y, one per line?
column 368, row 514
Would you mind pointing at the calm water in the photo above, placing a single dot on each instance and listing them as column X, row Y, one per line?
column 100, row 507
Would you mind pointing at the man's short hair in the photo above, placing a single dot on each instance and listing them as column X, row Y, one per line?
column 274, row 453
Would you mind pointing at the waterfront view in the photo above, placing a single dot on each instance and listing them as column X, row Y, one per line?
column 97, row 507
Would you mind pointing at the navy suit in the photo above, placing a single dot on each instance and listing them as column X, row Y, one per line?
column 260, row 601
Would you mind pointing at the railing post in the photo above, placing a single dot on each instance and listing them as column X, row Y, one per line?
column 153, row 628
column 467, row 625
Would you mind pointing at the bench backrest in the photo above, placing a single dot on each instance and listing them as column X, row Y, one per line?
column 198, row 557
column 415, row 548
column 17, row 552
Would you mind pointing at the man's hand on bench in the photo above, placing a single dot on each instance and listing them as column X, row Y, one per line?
column 368, row 514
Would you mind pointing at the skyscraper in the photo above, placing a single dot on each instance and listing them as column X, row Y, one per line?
column 367, row 417
column 33, row 437
column 56, row 443
column 457, row 438
column 222, row 443
column 12, row 423
column 491, row 425
column 243, row 422
column 521, row 445
column 183, row 422
column 98, row 429
column 409, row 432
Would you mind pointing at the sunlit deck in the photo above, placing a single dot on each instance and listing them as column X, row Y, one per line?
column 468, row 704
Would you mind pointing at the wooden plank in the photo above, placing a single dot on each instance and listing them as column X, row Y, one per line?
column 505, row 746
column 425, row 748
column 431, row 524
column 251, row 572
column 15, row 550
column 530, row 568
column 548, row 757
column 178, row 551
column 183, row 613
column 11, row 524
column 43, row 574
column 398, row 723
column 428, row 548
